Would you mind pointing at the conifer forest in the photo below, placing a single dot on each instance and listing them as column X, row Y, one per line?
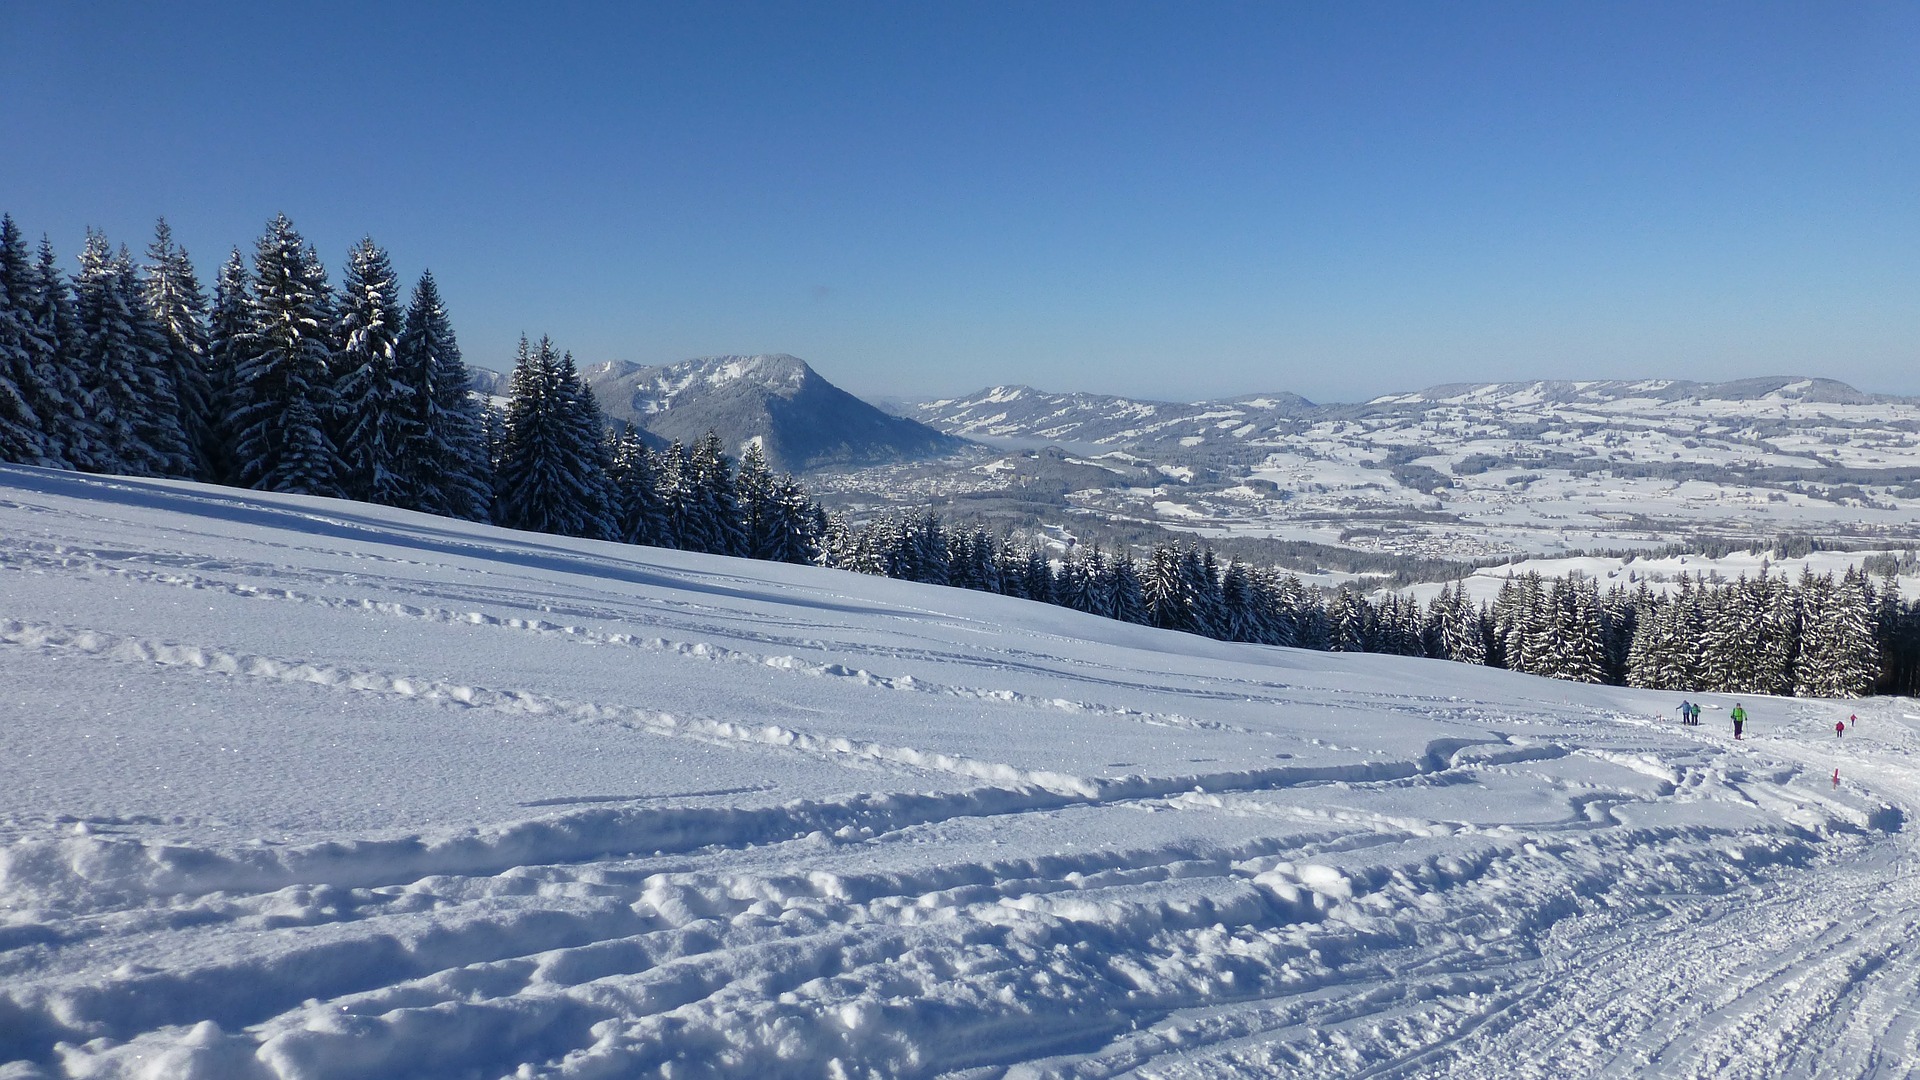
column 280, row 381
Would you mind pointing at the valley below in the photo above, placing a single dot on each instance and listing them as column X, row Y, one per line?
column 1472, row 475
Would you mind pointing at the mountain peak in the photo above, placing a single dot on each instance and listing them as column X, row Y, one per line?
column 773, row 370
column 800, row 419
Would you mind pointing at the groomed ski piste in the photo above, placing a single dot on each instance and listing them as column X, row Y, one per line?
column 298, row 788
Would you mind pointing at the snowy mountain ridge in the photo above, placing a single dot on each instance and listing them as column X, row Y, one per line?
column 800, row 420
column 655, row 389
column 1772, row 389
column 1022, row 412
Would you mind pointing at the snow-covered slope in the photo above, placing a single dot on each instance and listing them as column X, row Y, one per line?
column 300, row 788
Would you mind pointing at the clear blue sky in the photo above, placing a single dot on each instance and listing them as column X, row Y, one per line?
column 1179, row 200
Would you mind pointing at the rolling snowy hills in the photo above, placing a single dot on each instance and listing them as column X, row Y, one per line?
column 1462, row 471
column 292, row 787
column 1021, row 412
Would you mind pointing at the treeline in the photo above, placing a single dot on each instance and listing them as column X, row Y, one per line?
column 558, row 467
column 1820, row 636
column 280, row 382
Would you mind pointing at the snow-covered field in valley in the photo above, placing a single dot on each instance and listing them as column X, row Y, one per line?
column 302, row 788
column 1463, row 471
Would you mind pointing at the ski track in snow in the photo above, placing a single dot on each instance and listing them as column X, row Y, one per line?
column 94, row 562
column 1552, row 890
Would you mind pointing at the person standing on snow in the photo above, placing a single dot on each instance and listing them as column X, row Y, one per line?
column 1686, row 712
column 1839, row 728
column 1739, row 718
column 1695, row 719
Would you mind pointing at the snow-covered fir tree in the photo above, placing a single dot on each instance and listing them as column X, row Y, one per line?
column 797, row 524
column 1617, row 620
column 229, row 343
column 122, row 356
column 1641, row 669
column 1397, row 627
column 1348, row 621
column 1779, row 636
column 1272, row 621
column 372, row 424
column 1677, row 656
column 1202, row 573
column 23, row 437
column 1126, row 599
column 1238, row 622
column 1839, row 654
column 1036, row 575
column 754, row 491
column 1455, row 631
column 964, row 560
column 1520, row 617
column 970, row 560
column 551, row 476
column 1296, row 614
column 1575, row 653
column 1725, row 626
column 987, row 552
column 695, row 517
column 639, row 514
column 714, row 522
column 72, row 434
column 1312, row 627
column 1082, row 579
column 1897, row 631
column 1167, row 589
column 589, row 427
column 444, row 465
column 1010, row 561
column 283, row 395
column 178, row 305
column 923, row 548
column 874, row 547
column 838, row 544
column 680, row 494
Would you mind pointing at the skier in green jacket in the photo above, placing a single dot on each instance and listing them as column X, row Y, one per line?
column 1739, row 718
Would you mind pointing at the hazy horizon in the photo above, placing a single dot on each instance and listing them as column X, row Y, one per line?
column 957, row 392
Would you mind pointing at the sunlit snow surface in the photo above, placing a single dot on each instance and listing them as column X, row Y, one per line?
column 299, row 788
